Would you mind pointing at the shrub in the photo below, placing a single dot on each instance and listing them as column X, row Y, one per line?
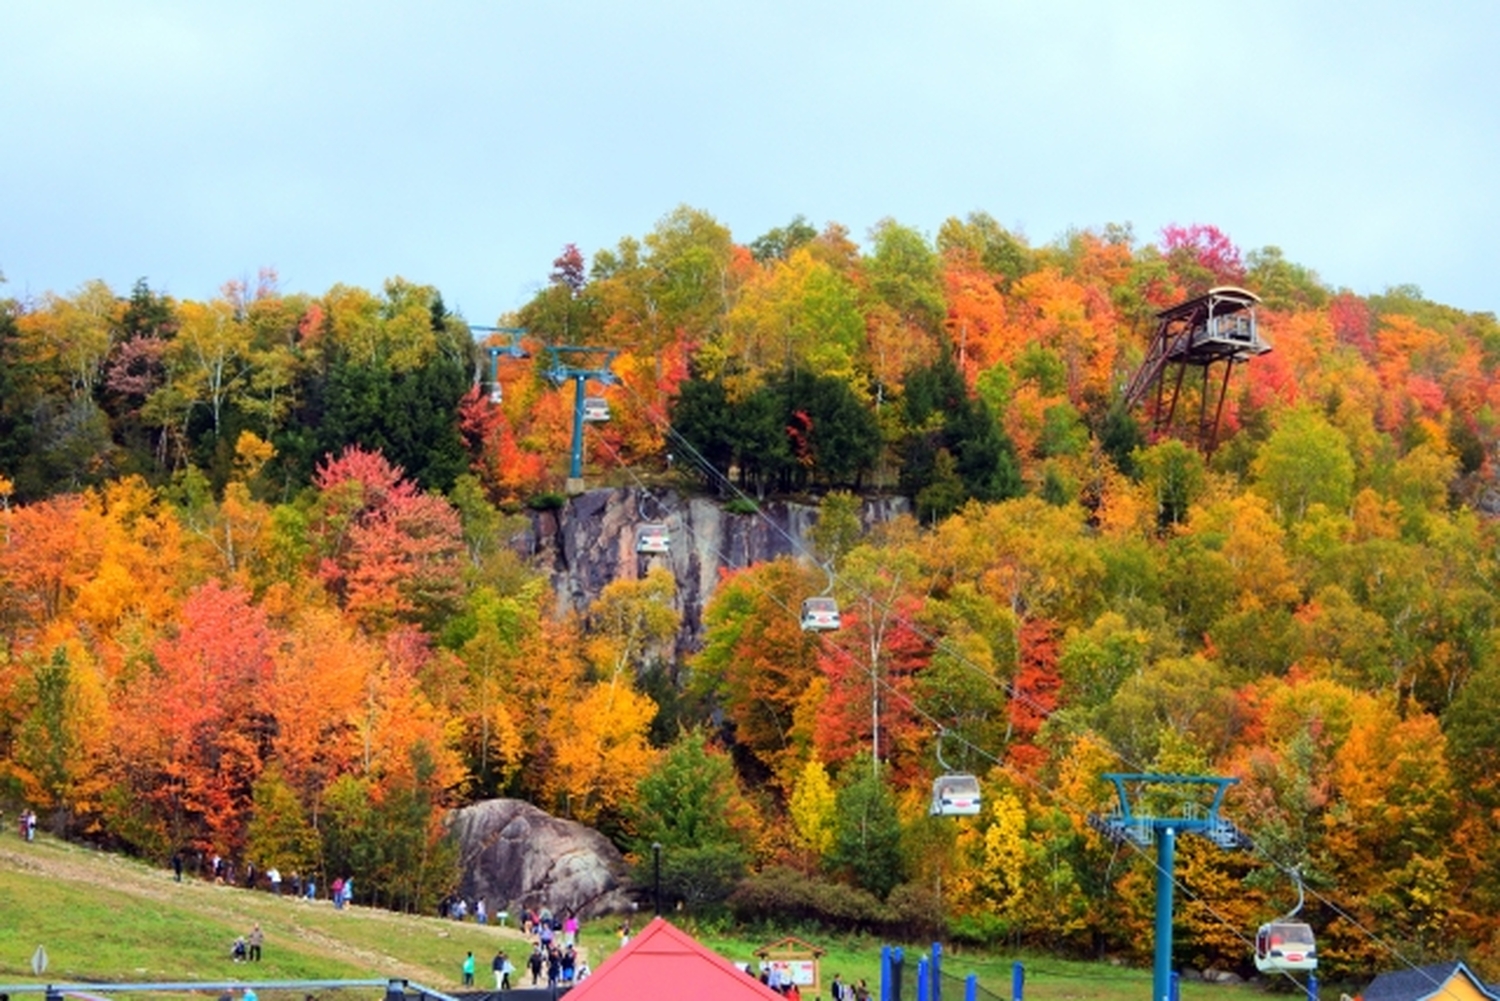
column 916, row 912
column 788, row 896
column 979, row 928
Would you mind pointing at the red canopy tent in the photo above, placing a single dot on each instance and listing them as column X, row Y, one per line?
column 665, row 963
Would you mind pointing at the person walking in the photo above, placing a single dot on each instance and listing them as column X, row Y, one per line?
column 469, row 970
column 177, row 866
column 254, row 941
column 503, row 969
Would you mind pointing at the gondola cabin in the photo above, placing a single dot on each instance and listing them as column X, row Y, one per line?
column 652, row 538
column 595, row 409
column 1285, row 946
column 955, row 795
column 820, row 615
column 496, row 396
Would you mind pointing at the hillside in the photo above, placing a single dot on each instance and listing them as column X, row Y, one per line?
column 106, row 918
column 103, row 919
column 285, row 577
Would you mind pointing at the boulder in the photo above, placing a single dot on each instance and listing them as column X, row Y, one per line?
column 514, row 855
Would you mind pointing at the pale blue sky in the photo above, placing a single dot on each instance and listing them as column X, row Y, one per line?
column 462, row 143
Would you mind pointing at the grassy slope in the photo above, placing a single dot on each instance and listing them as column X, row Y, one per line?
column 106, row 918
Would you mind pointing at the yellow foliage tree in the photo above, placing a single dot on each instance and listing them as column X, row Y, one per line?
column 812, row 808
column 599, row 749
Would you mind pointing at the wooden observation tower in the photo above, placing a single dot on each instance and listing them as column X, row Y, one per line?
column 1216, row 328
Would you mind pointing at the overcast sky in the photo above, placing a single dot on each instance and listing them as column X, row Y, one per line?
column 462, row 144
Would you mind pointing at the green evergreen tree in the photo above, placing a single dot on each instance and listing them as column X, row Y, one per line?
column 867, row 830
column 688, row 805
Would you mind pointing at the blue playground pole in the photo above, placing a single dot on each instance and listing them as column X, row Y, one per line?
column 898, row 972
column 937, row 971
column 971, row 987
column 1017, row 981
column 885, row 973
column 924, row 992
column 1176, row 986
column 1312, row 988
column 1161, row 970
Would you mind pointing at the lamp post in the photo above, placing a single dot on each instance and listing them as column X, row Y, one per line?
column 656, row 874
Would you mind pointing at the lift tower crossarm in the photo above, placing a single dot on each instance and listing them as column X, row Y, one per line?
column 498, row 342
column 560, row 370
column 1126, row 824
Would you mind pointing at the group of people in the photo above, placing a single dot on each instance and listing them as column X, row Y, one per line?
column 246, row 948
column 777, row 977
column 841, row 991
column 545, row 925
column 554, row 957
column 559, row 964
column 222, row 870
column 457, row 908
column 26, row 825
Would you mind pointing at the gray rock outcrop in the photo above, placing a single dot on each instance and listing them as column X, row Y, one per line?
column 515, row 855
column 590, row 542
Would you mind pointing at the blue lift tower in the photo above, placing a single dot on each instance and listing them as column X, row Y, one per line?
column 1192, row 816
column 571, row 361
column 499, row 342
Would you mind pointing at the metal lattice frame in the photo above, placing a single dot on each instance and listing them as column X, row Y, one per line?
column 1217, row 328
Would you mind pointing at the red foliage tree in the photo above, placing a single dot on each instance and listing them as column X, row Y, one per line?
column 1203, row 255
column 1034, row 692
column 194, row 738
column 870, row 667
column 390, row 553
column 1351, row 323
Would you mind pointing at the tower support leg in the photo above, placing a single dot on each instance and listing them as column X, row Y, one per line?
column 1166, row 858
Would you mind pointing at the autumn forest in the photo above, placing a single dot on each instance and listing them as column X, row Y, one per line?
column 259, row 595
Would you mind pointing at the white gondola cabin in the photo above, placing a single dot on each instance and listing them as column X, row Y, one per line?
column 496, row 395
column 652, row 538
column 820, row 615
column 955, row 795
column 595, row 409
column 1285, row 947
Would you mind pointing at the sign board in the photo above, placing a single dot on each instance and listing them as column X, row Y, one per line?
column 802, row 972
column 794, row 959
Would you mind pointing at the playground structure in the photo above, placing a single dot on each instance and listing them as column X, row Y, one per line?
column 1214, row 329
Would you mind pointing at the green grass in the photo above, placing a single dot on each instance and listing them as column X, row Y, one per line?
column 856, row 957
column 103, row 918
column 107, row 919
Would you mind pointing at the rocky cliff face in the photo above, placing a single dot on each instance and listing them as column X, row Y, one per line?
column 590, row 542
